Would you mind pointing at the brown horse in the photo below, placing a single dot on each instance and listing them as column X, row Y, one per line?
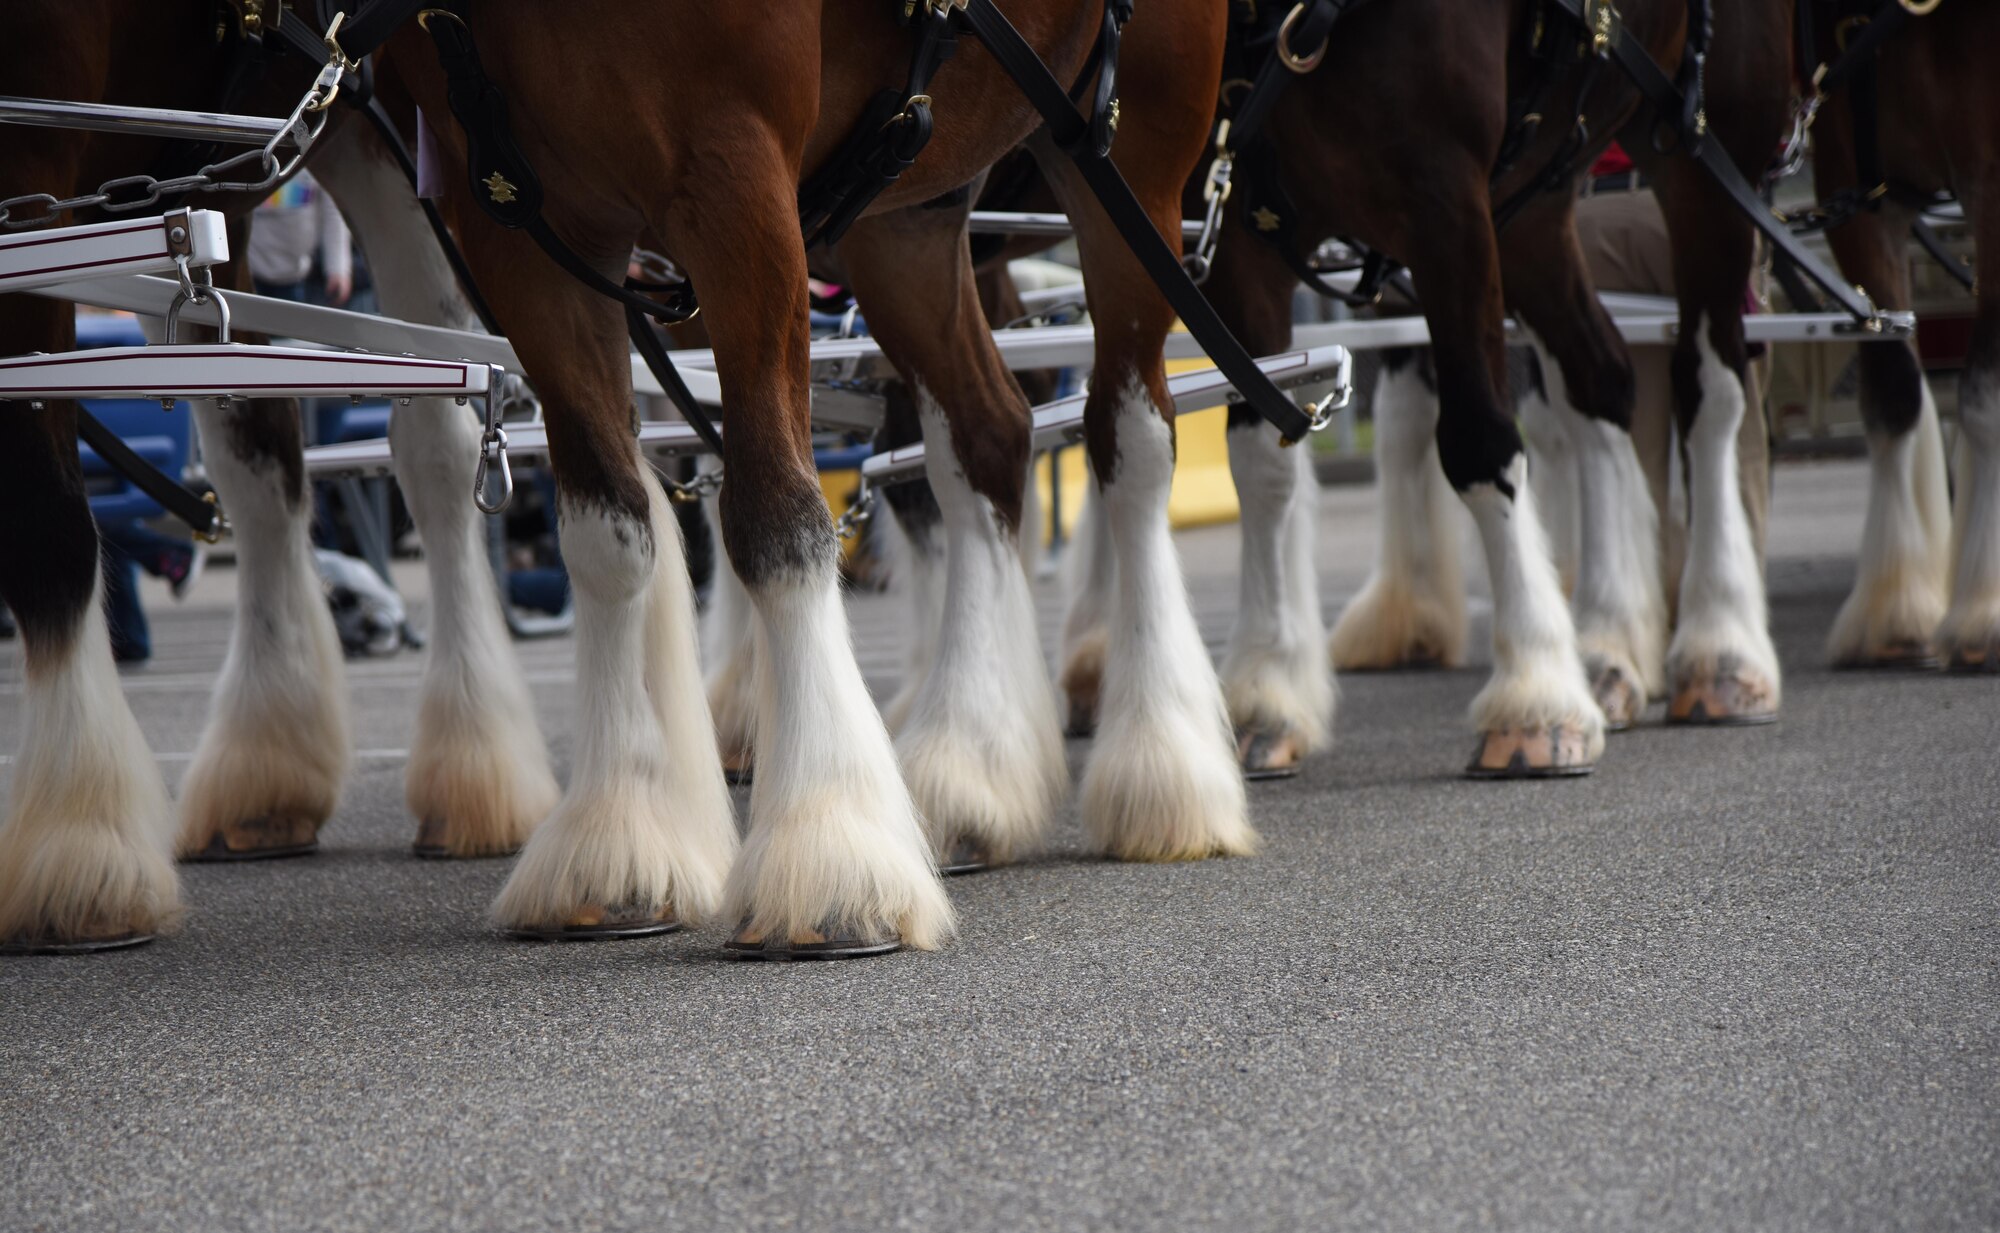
column 1921, row 592
column 86, row 844
column 1405, row 163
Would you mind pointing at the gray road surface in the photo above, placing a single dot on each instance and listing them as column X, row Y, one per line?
column 1738, row 979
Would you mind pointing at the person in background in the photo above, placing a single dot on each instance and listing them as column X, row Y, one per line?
column 130, row 546
column 299, row 244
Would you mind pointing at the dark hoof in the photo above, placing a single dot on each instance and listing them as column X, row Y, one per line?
column 259, row 839
column 966, row 857
column 430, row 845
column 1530, row 753
column 822, row 943
column 598, row 925
column 1895, row 657
column 1619, row 696
column 73, row 946
column 1973, row 660
column 737, row 770
column 1729, row 698
column 1082, row 723
column 1268, row 755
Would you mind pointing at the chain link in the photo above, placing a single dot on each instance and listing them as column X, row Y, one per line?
column 857, row 513
column 129, row 193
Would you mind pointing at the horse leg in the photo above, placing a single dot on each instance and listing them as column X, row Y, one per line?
column 644, row 836
column 1163, row 782
column 1721, row 665
column 1089, row 573
column 1276, row 678
column 478, row 778
column 729, row 648
column 86, row 842
column 1411, row 611
column 835, row 850
column 1619, row 609
column 982, row 748
column 1545, row 432
column 1969, row 637
column 918, row 546
column 1899, row 587
column 1536, row 715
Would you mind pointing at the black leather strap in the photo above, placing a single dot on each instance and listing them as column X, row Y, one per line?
column 1067, row 127
column 1668, row 102
column 197, row 511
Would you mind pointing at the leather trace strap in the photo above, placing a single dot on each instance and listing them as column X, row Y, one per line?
column 1668, row 101
column 1069, row 129
column 198, row 511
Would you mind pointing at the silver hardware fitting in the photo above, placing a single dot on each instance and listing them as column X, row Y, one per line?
column 1793, row 156
column 857, row 513
column 706, row 484
column 198, row 293
column 129, row 193
column 1216, row 193
column 493, row 451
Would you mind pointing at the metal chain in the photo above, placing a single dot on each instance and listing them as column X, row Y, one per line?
column 858, row 512
column 1215, row 191
column 129, row 193
column 705, row 484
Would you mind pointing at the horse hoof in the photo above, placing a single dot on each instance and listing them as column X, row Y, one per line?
column 1730, row 697
column 1972, row 658
column 1268, row 755
column 1530, row 753
column 74, row 946
column 966, row 857
column 1907, row 656
column 259, row 839
column 595, row 924
column 1619, row 696
column 821, row 943
column 430, row 844
column 736, row 770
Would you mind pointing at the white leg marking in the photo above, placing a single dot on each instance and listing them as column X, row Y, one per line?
column 1089, row 572
column 1724, row 633
column 919, row 569
column 1552, row 465
column 1970, row 633
column 1620, row 608
column 1163, row 781
column 1412, row 609
column 729, row 649
column 1899, row 586
column 1538, row 681
column 277, row 741
column 835, row 842
column 646, row 822
column 1275, row 678
column 479, row 778
column 983, row 749
column 86, row 849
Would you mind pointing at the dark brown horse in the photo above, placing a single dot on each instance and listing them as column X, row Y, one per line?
column 1405, row 162
column 1934, row 106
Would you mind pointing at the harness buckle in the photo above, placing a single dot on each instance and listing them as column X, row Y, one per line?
column 1291, row 60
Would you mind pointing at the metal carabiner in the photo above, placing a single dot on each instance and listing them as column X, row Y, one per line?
column 493, row 448
column 197, row 293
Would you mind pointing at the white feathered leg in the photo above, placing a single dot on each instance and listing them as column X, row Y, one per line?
column 1721, row 665
column 268, row 769
column 1900, row 581
column 86, row 846
column 1089, row 572
column 983, row 749
column 1536, row 714
column 918, row 552
column 1163, row 781
column 1619, row 606
column 729, row 649
column 835, row 846
column 645, row 833
column 1552, row 466
column 1969, row 637
column 1411, row 612
column 1277, row 682
column 478, row 778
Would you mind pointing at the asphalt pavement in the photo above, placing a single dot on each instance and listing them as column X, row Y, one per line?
column 1735, row 979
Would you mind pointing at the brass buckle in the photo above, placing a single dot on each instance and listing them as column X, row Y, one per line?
column 1297, row 63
